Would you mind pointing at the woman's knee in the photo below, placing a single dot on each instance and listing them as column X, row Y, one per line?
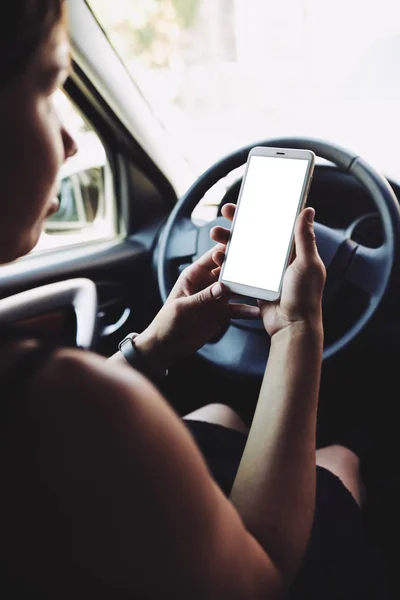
column 219, row 414
column 343, row 463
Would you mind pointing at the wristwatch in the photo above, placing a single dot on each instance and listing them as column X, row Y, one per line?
column 135, row 359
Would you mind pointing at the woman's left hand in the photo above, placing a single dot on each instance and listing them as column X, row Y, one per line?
column 194, row 313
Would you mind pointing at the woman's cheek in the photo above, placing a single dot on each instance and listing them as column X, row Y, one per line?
column 33, row 233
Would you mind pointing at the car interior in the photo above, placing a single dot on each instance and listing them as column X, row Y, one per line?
column 130, row 222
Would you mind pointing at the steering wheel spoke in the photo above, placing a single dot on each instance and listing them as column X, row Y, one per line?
column 184, row 241
column 365, row 269
column 328, row 242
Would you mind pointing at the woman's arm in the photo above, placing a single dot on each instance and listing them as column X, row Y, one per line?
column 275, row 486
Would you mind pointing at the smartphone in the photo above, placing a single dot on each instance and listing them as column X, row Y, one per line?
column 274, row 191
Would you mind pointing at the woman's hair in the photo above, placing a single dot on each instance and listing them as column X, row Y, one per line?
column 23, row 26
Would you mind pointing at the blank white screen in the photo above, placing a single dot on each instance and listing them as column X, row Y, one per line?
column 265, row 220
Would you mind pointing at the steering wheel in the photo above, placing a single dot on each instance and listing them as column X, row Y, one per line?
column 243, row 347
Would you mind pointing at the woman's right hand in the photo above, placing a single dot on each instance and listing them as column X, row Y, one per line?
column 300, row 305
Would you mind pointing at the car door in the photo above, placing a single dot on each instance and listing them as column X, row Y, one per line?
column 113, row 202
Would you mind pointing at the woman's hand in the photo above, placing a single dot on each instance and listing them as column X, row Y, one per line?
column 304, row 280
column 195, row 312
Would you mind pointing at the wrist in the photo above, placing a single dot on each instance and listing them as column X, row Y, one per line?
column 150, row 350
column 310, row 330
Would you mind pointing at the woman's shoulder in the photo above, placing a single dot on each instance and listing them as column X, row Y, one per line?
column 70, row 368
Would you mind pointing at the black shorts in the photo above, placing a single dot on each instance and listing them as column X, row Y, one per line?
column 340, row 561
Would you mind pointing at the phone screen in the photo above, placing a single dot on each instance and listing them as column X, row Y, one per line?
column 264, row 222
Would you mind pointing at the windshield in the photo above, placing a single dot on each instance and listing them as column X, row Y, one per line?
column 222, row 74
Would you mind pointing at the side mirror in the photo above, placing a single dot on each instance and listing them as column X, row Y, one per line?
column 80, row 198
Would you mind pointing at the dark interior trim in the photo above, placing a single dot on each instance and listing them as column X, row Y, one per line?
column 69, row 263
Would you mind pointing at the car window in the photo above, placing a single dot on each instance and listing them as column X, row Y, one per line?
column 220, row 74
column 87, row 203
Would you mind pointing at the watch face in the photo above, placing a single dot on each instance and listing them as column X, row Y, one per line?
column 124, row 342
column 128, row 350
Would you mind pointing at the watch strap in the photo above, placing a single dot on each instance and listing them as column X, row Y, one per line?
column 135, row 359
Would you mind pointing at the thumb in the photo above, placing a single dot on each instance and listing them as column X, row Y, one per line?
column 215, row 293
column 306, row 247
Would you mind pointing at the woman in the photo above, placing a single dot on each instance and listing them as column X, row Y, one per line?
column 104, row 491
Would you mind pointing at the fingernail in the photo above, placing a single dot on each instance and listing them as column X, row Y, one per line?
column 217, row 291
column 310, row 216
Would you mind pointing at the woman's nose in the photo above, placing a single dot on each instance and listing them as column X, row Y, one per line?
column 70, row 147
